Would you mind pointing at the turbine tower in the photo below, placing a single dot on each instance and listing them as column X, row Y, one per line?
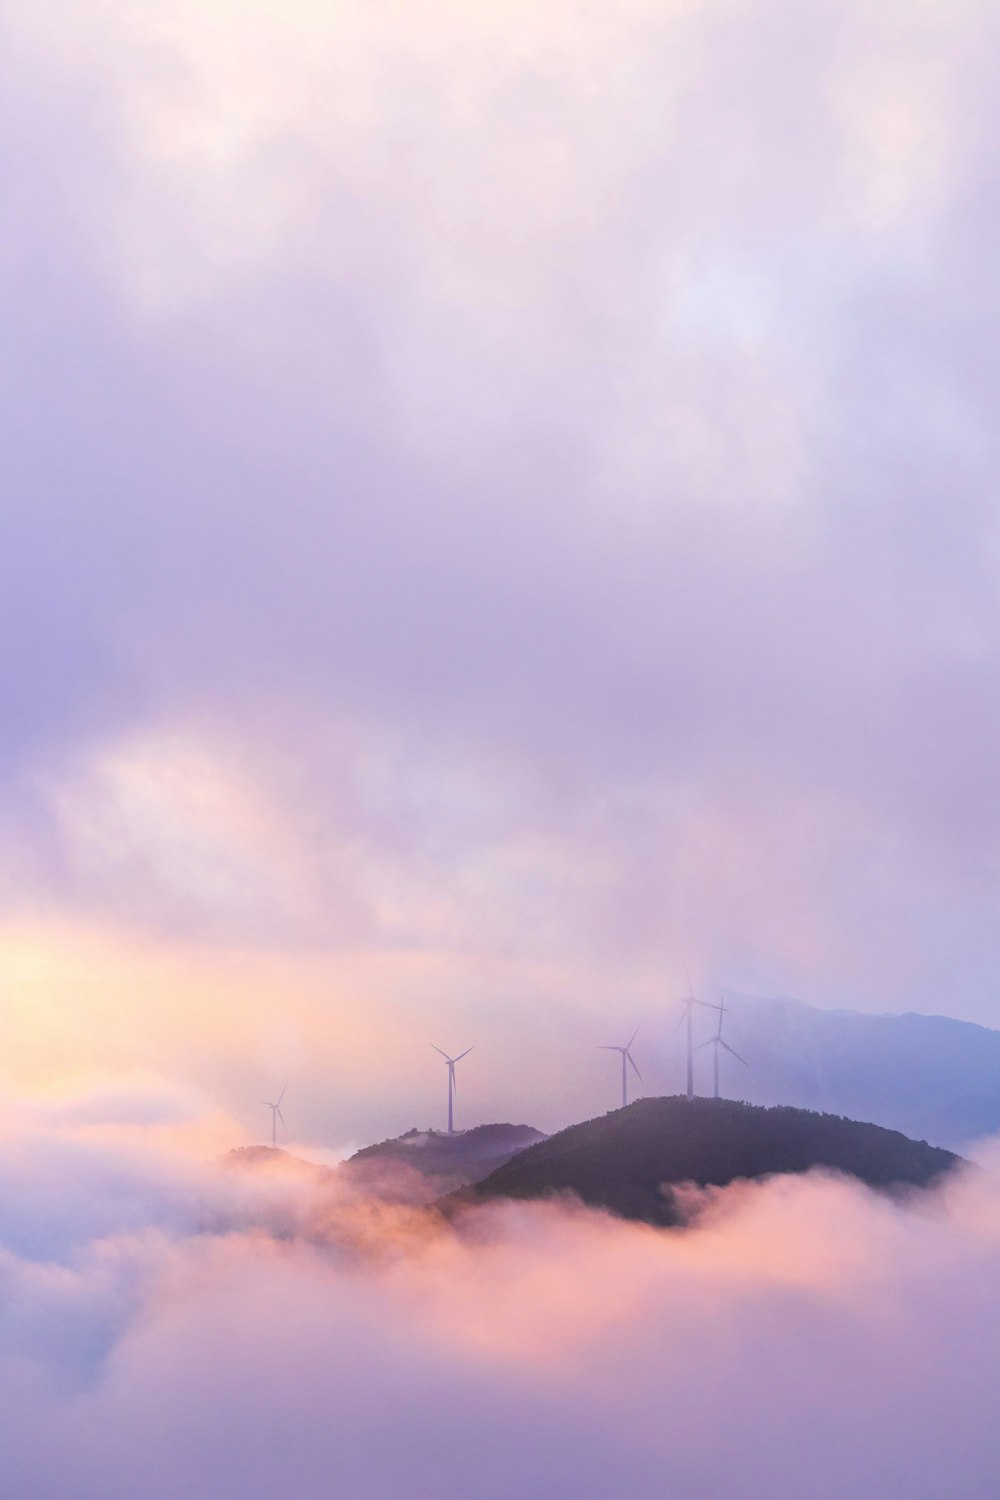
column 687, row 1014
column 626, row 1059
column 717, row 1042
column 276, row 1115
column 452, row 1086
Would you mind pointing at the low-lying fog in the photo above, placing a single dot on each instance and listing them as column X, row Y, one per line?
column 172, row 1326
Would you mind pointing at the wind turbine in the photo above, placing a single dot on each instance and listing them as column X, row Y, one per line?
column 276, row 1115
column 626, row 1059
column 452, row 1086
column 687, row 1014
column 717, row 1042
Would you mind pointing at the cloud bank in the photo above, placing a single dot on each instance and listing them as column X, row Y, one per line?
column 217, row 1333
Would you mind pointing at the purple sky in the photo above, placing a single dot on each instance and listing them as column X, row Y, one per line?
column 510, row 489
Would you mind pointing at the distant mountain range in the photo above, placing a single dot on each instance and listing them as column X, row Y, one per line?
column 932, row 1077
column 626, row 1161
column 813, row 1077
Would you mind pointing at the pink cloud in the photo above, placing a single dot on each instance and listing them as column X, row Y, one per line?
column 803, row 1335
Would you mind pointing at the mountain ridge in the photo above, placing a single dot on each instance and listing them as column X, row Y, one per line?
column 630, row 1160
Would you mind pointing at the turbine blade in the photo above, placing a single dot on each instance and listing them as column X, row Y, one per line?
column 710, row 1043
column 684, row 1014
column 734, row 1052
column 442, row 1054
column 607, row 1047
column 282, row 1119
column 634, row 1068
column 634, row 1034
column 465, row 1053
column 284, row 1091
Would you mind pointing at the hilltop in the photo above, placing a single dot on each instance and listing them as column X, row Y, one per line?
column 622, row 1160
column 413, row 1168
column 425, row 1163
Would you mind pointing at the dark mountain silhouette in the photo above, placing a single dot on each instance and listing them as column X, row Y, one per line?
column 625, row 1161
column 929, row 1076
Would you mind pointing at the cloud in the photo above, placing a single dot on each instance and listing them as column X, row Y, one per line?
column 499, row 510
column 510, row 488
column 267, row 1331
column 138, row 1100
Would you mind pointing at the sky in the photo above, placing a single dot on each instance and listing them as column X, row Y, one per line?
column 499, row 516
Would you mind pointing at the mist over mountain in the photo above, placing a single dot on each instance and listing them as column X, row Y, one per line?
column 932, row 1077
column 428, row 1162
column 414, row 1168
column 625, row 1161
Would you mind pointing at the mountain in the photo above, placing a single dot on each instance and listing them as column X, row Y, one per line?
column 930, row 1076
column 422, row 1164
column 623, row 1160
